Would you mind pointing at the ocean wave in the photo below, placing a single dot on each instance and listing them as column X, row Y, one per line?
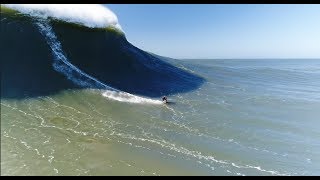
column 78, row 58
column 62, row 65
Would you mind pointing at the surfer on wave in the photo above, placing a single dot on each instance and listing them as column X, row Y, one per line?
column 164, row 99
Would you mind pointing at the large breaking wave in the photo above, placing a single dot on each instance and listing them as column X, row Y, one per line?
column 42, row 53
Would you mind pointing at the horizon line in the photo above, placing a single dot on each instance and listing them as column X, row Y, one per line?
column 241, row 58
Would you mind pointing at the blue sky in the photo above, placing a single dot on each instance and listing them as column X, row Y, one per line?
column 222, row 31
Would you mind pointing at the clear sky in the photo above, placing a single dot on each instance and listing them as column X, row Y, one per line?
column 222, row 31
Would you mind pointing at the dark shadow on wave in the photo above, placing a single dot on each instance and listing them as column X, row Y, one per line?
column 26, row 62
column 27, row 71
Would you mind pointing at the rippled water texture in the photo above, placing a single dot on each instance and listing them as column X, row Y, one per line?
column 250, row 117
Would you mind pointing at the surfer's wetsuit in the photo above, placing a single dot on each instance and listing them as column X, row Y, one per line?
column 164, row 99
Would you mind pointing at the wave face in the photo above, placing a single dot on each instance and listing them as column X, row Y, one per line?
column 43, row 54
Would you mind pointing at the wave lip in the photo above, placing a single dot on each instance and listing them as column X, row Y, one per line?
column 90, row 15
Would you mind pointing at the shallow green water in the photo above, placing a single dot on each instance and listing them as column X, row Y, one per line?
column 255, row 117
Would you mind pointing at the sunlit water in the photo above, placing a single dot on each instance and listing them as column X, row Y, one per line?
column 251, row 117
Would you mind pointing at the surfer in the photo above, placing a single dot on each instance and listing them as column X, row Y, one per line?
column 164, row 99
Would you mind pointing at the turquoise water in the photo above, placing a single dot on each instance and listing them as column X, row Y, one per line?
column 250, row 117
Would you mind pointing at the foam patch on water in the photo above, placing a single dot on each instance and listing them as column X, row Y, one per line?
column 90, row 15
column 126, row 97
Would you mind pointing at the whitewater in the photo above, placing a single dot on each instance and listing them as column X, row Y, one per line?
column 90, row 15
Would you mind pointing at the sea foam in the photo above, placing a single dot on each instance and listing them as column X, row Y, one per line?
column 126, row 97
column 90, row 15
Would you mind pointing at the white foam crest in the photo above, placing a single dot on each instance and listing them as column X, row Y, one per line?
column 90, row 15
column 126, row 97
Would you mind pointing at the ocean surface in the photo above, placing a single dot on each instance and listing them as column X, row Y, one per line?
column 77, row 101
column 251, row 117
